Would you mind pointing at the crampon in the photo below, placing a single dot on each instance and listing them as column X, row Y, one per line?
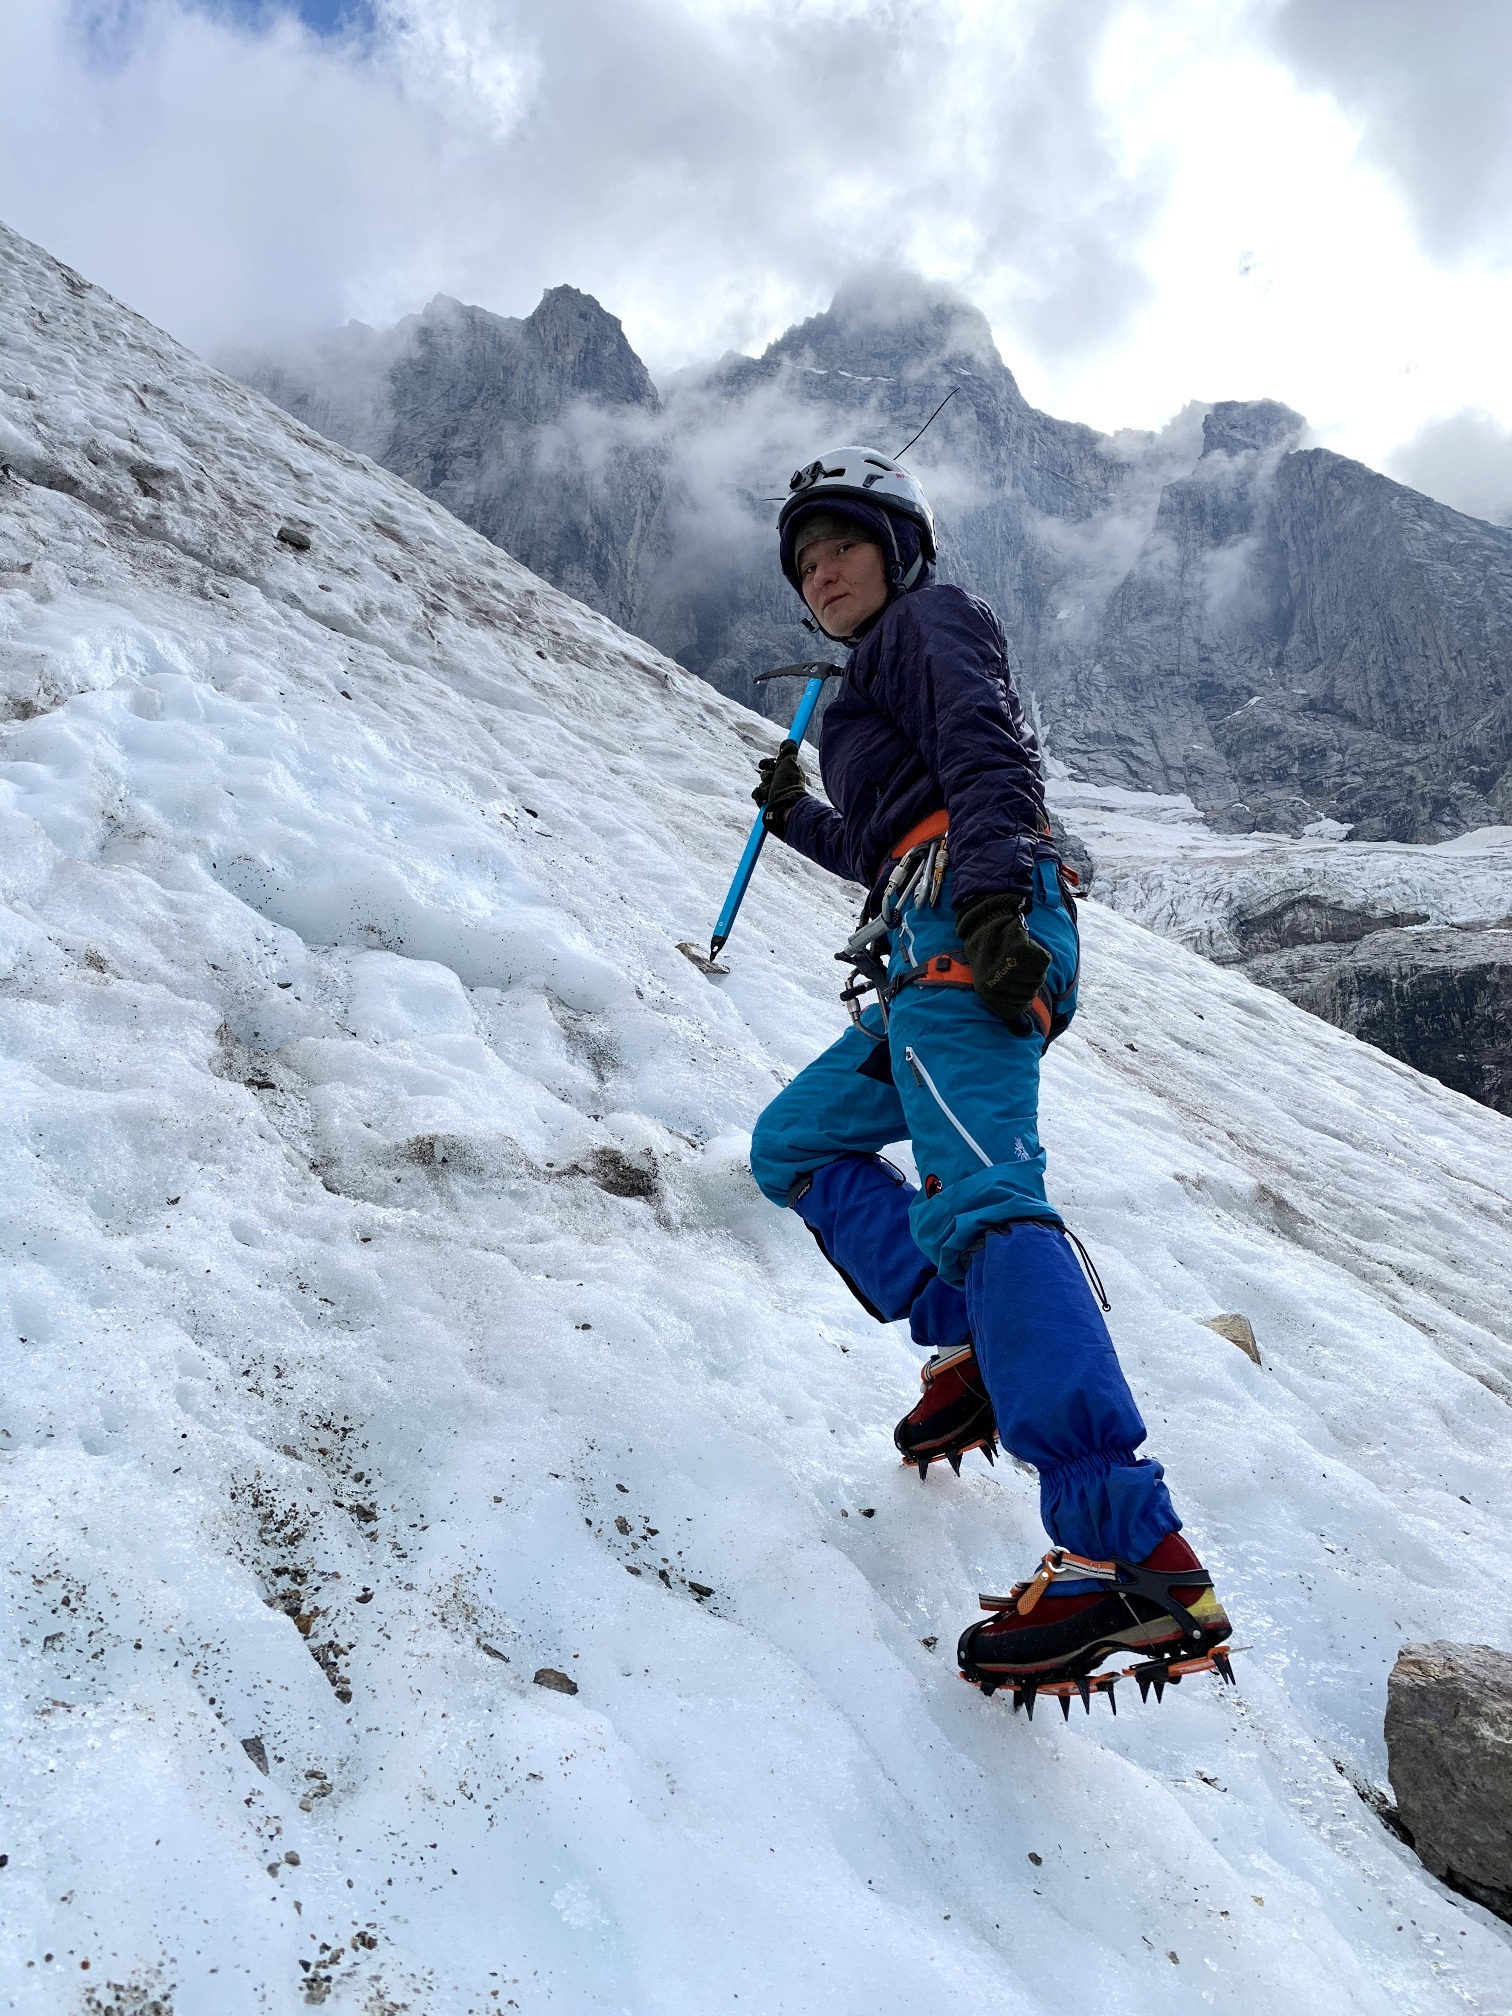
column 952, row 1415
column 1039, row 1642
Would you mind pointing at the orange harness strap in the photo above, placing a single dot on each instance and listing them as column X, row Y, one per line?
column 943, row 971
column 931, row 826
column 928, row 828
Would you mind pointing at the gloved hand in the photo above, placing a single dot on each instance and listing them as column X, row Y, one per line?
column 1007, row 965
column 780, row 788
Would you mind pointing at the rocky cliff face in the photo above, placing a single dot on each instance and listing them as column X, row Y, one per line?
column 1441, row 1000
column 1409, row 948
column 540, row 433
column 1218, row 610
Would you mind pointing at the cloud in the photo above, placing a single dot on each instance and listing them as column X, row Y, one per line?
column 709, row 168
column 1432, row 86
column 1464, row 460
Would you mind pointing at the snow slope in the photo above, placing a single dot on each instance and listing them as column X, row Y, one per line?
column 387, row 1314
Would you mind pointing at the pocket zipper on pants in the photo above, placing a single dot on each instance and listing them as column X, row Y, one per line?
column 924, row 1079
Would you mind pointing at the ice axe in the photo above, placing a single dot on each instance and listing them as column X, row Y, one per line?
column 815, row 674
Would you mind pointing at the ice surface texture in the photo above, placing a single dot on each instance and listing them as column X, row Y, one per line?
column 388, row 1315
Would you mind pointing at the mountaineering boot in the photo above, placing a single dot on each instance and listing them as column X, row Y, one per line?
column 1040, row 1640
column 952, row 1415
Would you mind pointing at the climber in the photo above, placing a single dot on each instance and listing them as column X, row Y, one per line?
column 936, row 806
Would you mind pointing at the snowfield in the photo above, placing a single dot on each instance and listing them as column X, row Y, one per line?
column 1159, row 862
column 388, row 1314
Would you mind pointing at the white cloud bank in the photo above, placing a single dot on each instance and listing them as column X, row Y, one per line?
column 1153, row 200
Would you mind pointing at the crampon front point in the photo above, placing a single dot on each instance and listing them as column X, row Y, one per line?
column 1151, row 1675
column 951, row 1416
column 1039, row 1642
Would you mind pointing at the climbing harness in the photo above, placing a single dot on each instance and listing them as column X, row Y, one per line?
column 920, row 860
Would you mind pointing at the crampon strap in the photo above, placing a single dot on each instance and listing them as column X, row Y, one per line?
column 1124, row 1578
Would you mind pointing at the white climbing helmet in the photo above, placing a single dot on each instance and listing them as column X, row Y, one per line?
column 860, row 476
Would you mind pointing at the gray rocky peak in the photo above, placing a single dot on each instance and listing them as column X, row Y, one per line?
column 885, row 323
column 1250, row 427
column 1279, row 632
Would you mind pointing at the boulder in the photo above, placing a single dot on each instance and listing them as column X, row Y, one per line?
column 1238, row 1330
column 1449, row 1751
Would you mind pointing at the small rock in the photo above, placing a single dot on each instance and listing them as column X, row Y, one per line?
column 559, row 1683
column 700, row 1589
column 929, row 1643
column 53, row 1641
column 1449, row 1751
column 292, row 1858
column 1073, row 852
column 1238, row 1330
column 1037, row 1860
column 291, row 535
column 494, row 1652
column 257, row 1750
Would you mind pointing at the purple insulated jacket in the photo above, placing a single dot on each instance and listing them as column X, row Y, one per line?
column 927, row 716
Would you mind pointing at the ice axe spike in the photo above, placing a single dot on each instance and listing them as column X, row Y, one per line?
column 816, row 674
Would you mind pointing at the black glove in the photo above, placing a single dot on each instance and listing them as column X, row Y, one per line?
column 1007, row 965
column 780, row 788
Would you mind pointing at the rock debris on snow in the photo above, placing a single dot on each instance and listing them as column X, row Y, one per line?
column 319, row 1371
column 557, row 1681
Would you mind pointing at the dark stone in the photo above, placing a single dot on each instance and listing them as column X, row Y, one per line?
column 257, row 1750
column 1073, row 852
column 548, row 1676
column 1449, row 1748
column 291, row 535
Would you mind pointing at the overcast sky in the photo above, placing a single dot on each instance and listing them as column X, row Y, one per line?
column 1305, row 199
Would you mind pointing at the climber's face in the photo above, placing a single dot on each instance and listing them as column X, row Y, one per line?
column 843, row 581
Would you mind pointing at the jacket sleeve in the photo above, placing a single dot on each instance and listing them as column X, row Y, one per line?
column 816, row 830
column 948, row 686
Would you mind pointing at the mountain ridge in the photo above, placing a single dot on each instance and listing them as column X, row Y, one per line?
column 1155, row 590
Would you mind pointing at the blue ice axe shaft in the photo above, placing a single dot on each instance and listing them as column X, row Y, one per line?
column 726, row 921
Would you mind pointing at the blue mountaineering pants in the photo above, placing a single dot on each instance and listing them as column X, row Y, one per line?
column 979, row 1251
